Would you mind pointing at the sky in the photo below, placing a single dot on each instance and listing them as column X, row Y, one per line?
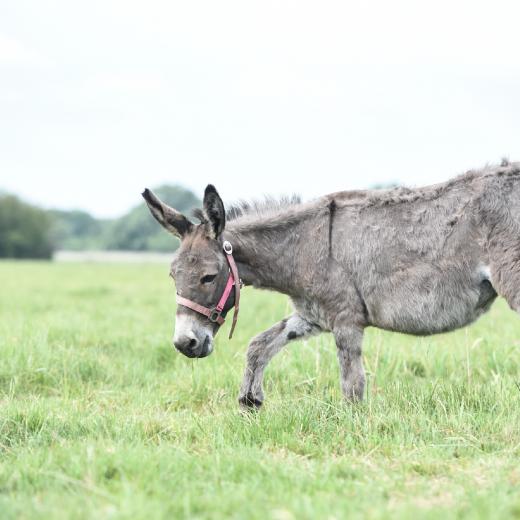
column 100, row 99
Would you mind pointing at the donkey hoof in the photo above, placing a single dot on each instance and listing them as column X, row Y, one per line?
column 249, row 401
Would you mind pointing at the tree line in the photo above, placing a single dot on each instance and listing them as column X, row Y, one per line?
column 27, row 231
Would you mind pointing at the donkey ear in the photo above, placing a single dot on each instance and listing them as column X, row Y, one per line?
column 169, row 218
column 214, row 211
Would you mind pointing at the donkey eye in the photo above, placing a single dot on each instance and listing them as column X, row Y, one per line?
column 208, row 278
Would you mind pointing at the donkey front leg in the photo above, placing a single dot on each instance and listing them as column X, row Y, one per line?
column 263, row 348
column 349, row 340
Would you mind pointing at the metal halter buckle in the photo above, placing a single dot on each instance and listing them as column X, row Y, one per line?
column 214, row 316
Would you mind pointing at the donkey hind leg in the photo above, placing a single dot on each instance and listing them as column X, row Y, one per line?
column 349, row 341
column 263, row 348
column 507, row 284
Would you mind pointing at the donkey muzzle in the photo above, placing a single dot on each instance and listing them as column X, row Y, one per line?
column 192, row 346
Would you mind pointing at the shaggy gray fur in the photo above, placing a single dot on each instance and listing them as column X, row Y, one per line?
column 260, row 208
column 418, row 261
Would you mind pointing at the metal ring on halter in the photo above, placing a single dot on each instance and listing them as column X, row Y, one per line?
column 228, row 248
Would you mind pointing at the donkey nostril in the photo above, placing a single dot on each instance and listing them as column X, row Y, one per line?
column 185, row 344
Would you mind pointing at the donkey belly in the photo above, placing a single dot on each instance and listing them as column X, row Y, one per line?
column 431, row 304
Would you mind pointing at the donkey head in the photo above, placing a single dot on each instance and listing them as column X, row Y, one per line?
column 199, row 268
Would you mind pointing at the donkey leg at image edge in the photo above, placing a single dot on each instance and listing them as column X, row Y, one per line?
column 263, row 348
column 349, row 340
column 505, row 276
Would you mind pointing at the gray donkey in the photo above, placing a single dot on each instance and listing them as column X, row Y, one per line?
column 418, row 261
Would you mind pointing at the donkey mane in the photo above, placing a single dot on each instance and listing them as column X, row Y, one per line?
column 266, row 212
column 259, row 208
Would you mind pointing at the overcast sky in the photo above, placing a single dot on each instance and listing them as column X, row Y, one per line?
column 99, row 99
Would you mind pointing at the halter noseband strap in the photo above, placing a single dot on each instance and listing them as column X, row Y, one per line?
column 215, row 315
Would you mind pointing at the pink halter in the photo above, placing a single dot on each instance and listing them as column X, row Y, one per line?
column 215, row 315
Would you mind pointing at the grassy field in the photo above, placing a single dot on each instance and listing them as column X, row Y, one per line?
column 101, row 418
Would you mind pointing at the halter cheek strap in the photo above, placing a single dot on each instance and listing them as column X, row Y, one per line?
column 215, row 315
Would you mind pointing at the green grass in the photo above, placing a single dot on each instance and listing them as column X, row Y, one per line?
column 100, row 418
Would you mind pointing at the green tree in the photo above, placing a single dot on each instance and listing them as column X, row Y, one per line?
column 25, row 231
column 76, row 230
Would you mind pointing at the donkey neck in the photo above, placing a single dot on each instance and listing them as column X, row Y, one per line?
column 265, row 255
